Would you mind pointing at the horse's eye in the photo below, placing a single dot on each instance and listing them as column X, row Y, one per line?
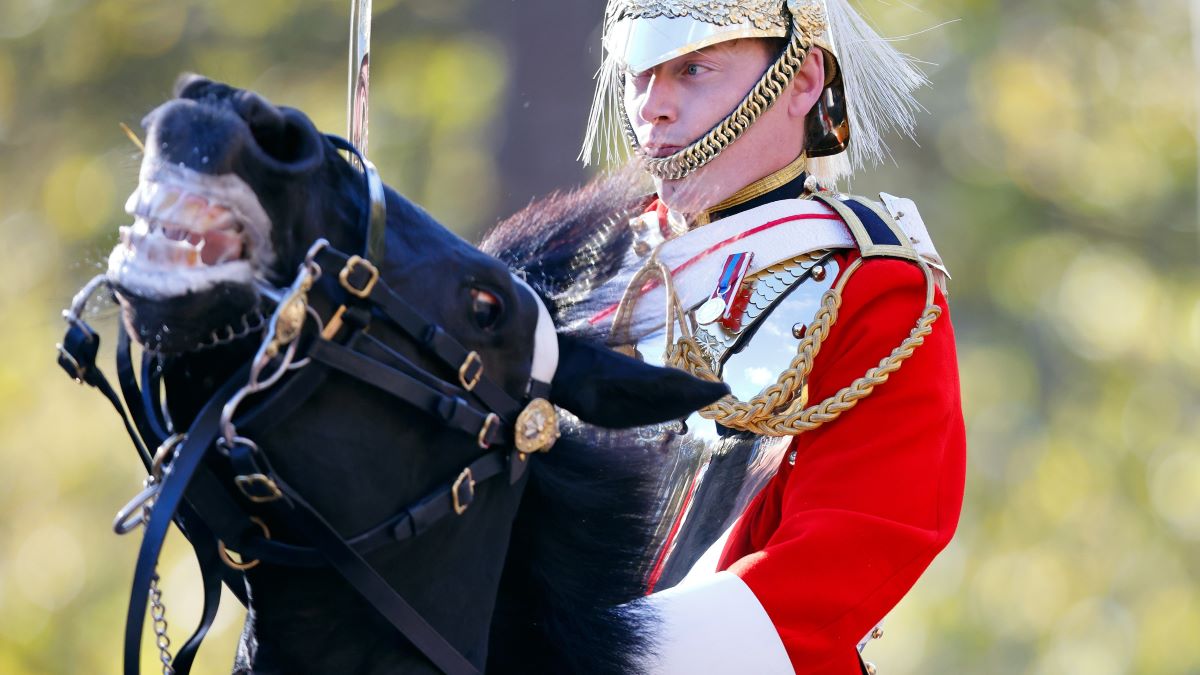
column 485, row 307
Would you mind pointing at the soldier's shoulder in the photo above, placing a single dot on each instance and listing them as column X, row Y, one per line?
column 876, row 225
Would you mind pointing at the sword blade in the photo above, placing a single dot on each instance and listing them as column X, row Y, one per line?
column 360, row 66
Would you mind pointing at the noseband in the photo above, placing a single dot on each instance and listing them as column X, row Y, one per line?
column 216, row 516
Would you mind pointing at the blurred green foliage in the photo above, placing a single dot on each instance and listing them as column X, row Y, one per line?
column 1057, row 169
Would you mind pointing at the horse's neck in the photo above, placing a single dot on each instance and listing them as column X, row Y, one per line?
column 307, row 622
column 313, row 621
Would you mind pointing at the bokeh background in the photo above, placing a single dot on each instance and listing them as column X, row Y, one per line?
column 1056, row 168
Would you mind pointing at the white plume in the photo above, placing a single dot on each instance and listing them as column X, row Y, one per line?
column 605, row 142
column 879, row 81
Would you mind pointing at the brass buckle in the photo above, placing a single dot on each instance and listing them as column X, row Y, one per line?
column 79, row 370
column 488, row 423
column 472, row 359
column 163, row 453
column 344, row 277
column 469, row 479
column 246, row 483
column 245, row 564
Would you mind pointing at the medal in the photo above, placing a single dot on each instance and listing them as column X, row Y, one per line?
column 721, row 306
column 710, row 311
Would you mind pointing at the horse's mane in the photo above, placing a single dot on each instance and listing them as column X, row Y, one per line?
column 578, row 555
column 568, row 244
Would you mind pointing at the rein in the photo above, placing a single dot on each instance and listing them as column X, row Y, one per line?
column 183, row 488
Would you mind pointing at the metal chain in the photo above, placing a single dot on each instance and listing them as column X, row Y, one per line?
column 782, row 408
column 158, row 612
column 805, row 29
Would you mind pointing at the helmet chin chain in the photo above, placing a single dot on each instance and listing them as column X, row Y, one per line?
column 806, row 23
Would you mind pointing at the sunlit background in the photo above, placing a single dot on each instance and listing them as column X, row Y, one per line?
column 1056, row 168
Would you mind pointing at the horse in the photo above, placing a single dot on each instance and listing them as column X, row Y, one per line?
column 245, row 211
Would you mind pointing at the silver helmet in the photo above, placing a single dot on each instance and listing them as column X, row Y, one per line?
column 868, row 83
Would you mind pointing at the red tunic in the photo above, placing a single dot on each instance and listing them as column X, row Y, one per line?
column 836, row 539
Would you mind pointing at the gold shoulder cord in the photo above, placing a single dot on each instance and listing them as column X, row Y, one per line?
column 780, row 409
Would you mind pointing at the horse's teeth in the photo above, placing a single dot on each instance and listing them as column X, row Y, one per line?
column 162, row 198
column 190, row 209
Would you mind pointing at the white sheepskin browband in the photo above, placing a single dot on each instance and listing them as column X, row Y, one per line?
column 545, row 341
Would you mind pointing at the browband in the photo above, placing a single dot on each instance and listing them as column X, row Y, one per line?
column 545, row 342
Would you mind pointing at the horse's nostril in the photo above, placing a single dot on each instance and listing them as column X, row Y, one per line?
column 257, row 112
column 266, row 123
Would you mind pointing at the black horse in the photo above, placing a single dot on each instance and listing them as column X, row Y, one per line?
column 233, row 192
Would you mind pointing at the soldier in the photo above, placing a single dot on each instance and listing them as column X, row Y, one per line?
column 827, row 488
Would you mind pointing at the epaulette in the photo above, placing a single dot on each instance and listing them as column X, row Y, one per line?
column 875, row 232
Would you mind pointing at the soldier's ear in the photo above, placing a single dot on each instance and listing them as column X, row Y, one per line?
column 807, row 85
column 608, row 389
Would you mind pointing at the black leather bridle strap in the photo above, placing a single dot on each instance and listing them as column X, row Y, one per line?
column 430, row 335
column 374, row 348
column 137, row 400
column 144, row 409
column 77, row 356
column 201, row 436
column 302, row 517
column 452, row 498
column 212, row 572
column 454, row 412
column 151, row 399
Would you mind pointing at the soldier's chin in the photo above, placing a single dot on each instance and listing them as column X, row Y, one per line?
column 175, row 309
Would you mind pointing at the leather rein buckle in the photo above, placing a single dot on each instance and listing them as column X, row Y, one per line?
column 462, row 500
column 470, row 372
column 258, row 488
column 352, row 266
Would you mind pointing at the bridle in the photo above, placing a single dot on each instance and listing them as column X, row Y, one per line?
column 182, row 486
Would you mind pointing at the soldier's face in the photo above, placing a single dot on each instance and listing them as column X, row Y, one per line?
column 675, row 103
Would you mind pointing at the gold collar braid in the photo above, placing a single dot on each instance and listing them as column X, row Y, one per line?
column 758, row 188
column 808, row 24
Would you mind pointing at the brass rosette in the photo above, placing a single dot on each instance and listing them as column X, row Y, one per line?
column 536, row 429
column 808, row 25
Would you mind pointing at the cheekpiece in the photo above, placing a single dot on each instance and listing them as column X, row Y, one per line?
column 641, row 34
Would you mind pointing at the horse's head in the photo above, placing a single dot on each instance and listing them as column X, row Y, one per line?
column 231, row 188
column 233, row 192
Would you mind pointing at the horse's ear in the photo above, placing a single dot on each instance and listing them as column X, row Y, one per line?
column 608, row 389
column 187, row 84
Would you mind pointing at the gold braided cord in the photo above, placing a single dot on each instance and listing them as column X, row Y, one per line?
column 805, row 29
column 623, row 319
column 782, row 408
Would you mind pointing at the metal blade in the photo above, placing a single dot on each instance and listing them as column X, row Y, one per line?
column 360, row 66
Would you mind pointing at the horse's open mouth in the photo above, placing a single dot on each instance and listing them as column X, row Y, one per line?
column 191, row 231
